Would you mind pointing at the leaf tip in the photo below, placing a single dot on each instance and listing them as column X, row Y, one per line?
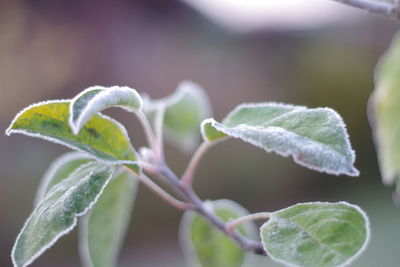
column 75, row 128
column 9, row 130
column 13, row 260
column 209, row 131
column 203, row 126
column 353, row 172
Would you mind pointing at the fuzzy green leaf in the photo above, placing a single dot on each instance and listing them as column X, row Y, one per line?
column 384, row 113
column 316, row 234
column 102, row 137
column 97, row 98
column 184, row 111
column 59, row 169
column 205, row 246
column 57, row 214
column 315, row 138
column 103, row 229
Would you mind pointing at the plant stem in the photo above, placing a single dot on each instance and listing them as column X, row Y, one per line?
column 199, row 207
column 184, row 188
column 148, row 168
column 148, row 130
column 160, row 192
column 373, row 6
column 159, row 121
column 231, row 225
column 187, row 177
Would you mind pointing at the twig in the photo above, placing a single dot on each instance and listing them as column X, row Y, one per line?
column 198, row 206
column 231, row 225
column 155, row 171
column 185, row 189
column 187, row 177
column 148, row 130
column 373, row 6
column 160, row 192
column 159, row 121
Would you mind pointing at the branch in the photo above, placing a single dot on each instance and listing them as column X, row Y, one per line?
column 148, row 130
column 159, row 120
column 187, row 177
column 231, row 225
column 373, row 6
column 198, row 206
column 185, row 189
column 160, row 192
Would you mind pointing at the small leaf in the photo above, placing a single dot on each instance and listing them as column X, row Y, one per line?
column 57, row 214
column 205, row 246
column 209, row 132
column 103, row 229
column 316, row 138
column 384, row 113
column 102, row 137
column 184, row 111
column 97, row 98
column 316, row 234
column 59, row 170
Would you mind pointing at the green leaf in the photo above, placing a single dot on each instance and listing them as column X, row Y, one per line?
column 102, row 137
column 57, row 214
column 97, row 98
column 184, row 111
column 59, row 170
column 384, row 113
column 315, row 138
column 209, row 132
column 316, row 234
column 103, row 229
column 205, row 246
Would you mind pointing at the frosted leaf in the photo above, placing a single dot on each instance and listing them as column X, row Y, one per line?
column 59, row 170
column 97, row 98
column 316, row 234
column 184, row 111
column 205, row 246
column 315, row 138
column 384, row 113
column 57, row 214
column 103, row 229
column 102, row 137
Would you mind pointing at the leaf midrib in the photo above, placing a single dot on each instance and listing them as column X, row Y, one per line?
column 280, row 117
column 320, row 242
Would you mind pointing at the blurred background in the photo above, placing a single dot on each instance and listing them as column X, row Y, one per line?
column 310, row 52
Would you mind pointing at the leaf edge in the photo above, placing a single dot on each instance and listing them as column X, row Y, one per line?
column 10, row 131
column 66, row 231
column 353, row 172
column 187, row 248
column 351, row 259
column 105, row 90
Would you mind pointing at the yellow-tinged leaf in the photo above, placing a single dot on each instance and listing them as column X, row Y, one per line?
column 102, row 137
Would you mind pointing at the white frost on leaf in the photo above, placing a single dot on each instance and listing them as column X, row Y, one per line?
column 52, row 171
column 315, row 138
column 57, row 213
column 65, row 142
column 97, row 98
column 10, row 129
column 288, row 232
